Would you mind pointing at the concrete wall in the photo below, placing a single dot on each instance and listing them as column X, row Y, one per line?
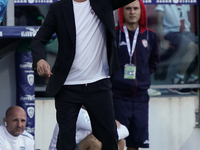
column 171, row 123
column 45, row 121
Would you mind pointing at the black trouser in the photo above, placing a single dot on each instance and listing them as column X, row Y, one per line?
column 97, row 99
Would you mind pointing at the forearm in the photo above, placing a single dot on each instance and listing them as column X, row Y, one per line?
column 160, row 25
column 43, row 36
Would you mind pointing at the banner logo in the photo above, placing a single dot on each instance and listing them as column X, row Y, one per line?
column 28, row 98
column 30, row 130
column 31, row 1
column 31, row 33
column 23, row 2
column 44, row 2
column 175, row 1
column 30, row 111
column 27, row 65
column 30, row 79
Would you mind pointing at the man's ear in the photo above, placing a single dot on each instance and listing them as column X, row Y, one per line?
column 4, row 120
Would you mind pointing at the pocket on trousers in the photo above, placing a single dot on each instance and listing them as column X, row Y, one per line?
column 105, row 84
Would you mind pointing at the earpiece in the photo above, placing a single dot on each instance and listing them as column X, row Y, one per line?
column 5, row 123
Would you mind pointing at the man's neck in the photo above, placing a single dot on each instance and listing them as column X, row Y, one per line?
column 79, row 1
column 131, row 27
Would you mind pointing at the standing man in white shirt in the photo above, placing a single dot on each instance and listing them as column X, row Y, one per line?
column 12, row 134
column 85, row 60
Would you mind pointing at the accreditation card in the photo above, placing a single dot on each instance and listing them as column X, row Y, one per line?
column 129, row 71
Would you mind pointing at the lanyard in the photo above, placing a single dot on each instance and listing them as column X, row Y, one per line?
column 131, row 51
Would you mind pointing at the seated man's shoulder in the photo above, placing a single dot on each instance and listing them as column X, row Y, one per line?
column 1, row 127
column 2, row 133
column 2, row 136
column 27, row 136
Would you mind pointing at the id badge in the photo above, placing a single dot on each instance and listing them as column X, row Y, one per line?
column 129, row 71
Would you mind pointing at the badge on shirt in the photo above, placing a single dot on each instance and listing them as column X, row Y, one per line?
column 129, row 71
column 145, row 43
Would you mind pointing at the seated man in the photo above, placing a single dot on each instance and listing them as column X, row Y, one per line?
column 12, row 134
column 84, row 138
column 174, row 29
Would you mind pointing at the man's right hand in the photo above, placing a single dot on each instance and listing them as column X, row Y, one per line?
column 118, row 123
column 43, row 68
column 165, row 44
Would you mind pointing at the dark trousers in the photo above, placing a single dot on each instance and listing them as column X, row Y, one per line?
column 97, row 99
